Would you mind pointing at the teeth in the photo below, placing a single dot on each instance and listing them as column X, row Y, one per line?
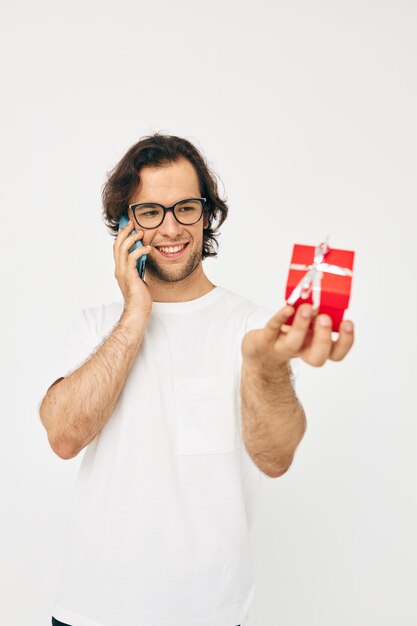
column 173, row 249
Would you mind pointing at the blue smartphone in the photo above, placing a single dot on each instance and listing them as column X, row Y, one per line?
column 141, row 262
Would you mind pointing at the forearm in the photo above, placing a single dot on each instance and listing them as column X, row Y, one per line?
column 77, row 408
column 273, row 419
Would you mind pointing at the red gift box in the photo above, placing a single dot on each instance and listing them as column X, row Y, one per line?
column 321, row 276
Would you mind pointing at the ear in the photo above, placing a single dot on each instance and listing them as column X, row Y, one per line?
column 205, row 219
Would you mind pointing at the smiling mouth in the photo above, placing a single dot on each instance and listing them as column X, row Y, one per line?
column 173, row 255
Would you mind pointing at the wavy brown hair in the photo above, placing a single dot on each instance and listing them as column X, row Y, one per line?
column 159, row 149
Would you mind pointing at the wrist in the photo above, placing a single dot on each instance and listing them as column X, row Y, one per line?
column 133, row 322
column 267, row 371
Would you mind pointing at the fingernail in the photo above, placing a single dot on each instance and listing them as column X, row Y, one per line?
column 305, row 313
column 348, row 326
column 325, row 321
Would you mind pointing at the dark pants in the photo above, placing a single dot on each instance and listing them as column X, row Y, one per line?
column 55, row 622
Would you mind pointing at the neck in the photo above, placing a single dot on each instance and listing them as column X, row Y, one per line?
column 194, row 286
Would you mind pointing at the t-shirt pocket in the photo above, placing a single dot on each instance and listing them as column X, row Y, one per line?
column 206, row 414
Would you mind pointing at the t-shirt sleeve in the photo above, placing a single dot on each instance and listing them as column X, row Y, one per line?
column 258, row 318
column 79, row 344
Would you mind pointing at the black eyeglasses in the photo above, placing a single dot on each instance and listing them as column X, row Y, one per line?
column 152, row 214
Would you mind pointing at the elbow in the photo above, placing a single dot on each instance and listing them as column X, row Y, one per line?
column 64, row 455
column 61, row 448
column 276, row 472
column 64, row 451
column 49, row 420
column 278, row 468
column 271, row 469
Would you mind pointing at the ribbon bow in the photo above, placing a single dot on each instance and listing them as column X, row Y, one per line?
column 311, row 281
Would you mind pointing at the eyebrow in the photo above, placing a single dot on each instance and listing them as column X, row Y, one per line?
column 155, row 202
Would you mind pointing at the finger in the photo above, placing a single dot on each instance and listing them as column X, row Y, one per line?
column 344, row 342
column 136, row 254
column 321, row 344
column 273, row 326
column 124, row 231
column 130, row 240
column 295, row 337
column 121, row 235
column 125, row 246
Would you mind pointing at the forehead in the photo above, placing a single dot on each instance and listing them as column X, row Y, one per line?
column 167, row 183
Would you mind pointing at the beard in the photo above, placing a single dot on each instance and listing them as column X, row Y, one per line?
column 163, row 269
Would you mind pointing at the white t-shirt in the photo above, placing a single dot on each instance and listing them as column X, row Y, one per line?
column 158, row 530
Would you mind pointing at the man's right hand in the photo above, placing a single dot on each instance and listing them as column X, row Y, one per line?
column 136, row 293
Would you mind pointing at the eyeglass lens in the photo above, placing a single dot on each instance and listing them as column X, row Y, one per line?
column 151, row 215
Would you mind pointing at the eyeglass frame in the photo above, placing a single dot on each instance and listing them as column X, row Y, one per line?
column 165, row 209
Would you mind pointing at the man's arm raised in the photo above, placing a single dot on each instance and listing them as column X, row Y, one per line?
column 75, row 408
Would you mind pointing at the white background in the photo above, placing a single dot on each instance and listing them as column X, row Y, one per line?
column 307, row 113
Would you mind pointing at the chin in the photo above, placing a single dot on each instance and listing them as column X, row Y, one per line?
column 178, row 271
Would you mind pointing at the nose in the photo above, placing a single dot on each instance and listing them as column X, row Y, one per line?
column 170, row 226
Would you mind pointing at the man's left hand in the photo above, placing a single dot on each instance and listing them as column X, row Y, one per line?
column 277, row 342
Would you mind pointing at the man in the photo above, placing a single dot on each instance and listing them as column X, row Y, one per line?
column 182, row 396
